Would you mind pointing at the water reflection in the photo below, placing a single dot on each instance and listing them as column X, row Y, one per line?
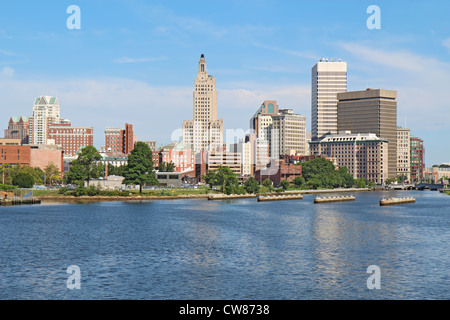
column 238, row 249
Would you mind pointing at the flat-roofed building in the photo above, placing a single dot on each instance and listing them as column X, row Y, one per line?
column 371, row 111
column 404, row 152
column 71, row 139
column 417, row 158
column 10, row 142
column 288, row 134
column 119, row 141
column 39, row 156
column 205, row 161
column 363, row 154
column 328, row 77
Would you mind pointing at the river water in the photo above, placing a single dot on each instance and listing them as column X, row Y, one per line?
column 236, row 249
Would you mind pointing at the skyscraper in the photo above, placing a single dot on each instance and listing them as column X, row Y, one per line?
column 46, row 111
column 328, row 78
column 204, row 131
column 371, row 111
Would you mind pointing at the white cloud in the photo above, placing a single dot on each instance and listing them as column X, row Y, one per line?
column 7, row 71
column 446, row 43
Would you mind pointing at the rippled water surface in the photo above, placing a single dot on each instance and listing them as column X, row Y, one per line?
column 235, row 249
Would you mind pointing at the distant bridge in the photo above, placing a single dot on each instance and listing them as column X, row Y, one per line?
column 426, row 186
column 410, row 186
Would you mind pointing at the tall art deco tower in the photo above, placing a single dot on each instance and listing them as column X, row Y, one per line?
column 204, row 131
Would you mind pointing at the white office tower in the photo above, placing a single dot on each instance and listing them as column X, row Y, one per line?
column 329, row 76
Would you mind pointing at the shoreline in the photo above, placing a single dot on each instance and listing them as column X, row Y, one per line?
column 185, row 196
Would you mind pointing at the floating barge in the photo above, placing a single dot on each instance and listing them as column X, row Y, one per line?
column 230, row 196
column 392, row 201
column 279, row 197
column 334, row 199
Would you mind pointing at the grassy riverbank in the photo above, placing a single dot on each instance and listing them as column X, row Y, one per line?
column 55, row 195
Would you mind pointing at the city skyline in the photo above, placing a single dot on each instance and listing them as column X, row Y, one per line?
column 136, row 63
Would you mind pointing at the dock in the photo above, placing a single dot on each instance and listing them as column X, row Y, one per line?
column 15, row 201
column 230, row 196
column 280, row 197
column 334, row 199
column 392, row 201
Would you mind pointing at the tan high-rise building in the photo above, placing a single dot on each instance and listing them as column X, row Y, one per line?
column 371, row 111
column 283, row 130
column 329, row 77
column 204, row 131
column 404, row 152
column 288, row 134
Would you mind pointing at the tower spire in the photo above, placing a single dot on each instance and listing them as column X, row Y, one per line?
column 202, row 64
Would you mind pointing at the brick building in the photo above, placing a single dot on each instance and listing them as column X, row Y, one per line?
column 71, row 139
column 119, row 141
column 32, row 156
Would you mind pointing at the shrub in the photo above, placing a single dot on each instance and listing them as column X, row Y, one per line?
column 92, row 191
column 62, row 190
column 80, row 191
column 6, row 187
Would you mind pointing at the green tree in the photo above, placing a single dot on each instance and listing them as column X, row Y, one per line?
column 347, row 179
column 285, row 184
column 361, row 183
column 166, row 167
column 36, row 173
column 299, row 181
column 139, row 170
column 267, row 183
column 85, row 167
column 222, row 177
column 401, row 178
column 51, row 173
column 251, row 185
column 23, row 180
column 115, row 170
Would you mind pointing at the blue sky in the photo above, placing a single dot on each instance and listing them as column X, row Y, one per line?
column 135, row 61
